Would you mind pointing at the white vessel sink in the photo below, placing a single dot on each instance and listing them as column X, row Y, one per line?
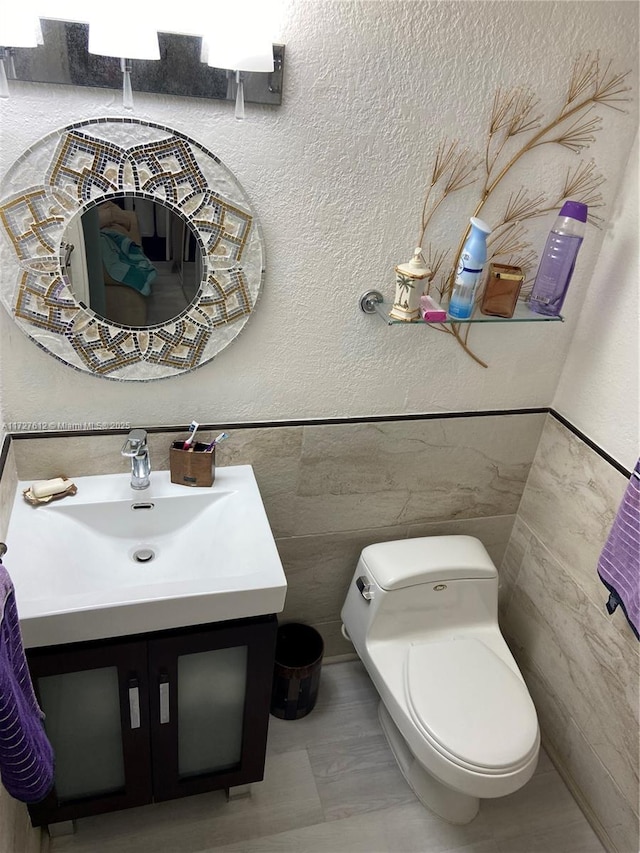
column 111, row 561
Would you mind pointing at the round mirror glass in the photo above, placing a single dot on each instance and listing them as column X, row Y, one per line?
column 132, row 260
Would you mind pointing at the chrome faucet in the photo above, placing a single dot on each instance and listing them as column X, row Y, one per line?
column 135, row 448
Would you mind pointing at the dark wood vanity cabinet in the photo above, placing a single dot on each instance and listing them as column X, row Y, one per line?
column 154, row 717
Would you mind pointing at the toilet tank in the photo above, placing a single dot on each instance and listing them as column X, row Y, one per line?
column 433, row 585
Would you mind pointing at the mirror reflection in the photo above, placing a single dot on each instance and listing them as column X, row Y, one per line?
column 133, row 261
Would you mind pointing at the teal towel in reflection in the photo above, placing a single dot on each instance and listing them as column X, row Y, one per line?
column 125, row 261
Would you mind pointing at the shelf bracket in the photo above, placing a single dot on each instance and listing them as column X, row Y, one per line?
column 369, row 300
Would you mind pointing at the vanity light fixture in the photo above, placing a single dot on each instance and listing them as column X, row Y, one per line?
column 130, row 36
column 191, row 48
column 239, row 40
column 18, row 28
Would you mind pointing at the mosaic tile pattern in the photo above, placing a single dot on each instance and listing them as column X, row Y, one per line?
column 166, row 169
column 79, row 167
column 34, row 224
column 104, row 348
column 225, row 228
column 45, row 301
column 85, row 168
column 226, row 297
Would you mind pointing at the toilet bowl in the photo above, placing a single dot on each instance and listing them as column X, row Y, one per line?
column 422, row 616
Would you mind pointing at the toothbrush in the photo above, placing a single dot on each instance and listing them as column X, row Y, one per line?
column 215, row 441
column 193, row 428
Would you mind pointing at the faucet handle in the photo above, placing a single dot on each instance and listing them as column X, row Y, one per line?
column 136, row 441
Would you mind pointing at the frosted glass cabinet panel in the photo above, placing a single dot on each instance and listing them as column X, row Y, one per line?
column 97, row 719
column 211, row 696
column 83, row 719
column 154, row 716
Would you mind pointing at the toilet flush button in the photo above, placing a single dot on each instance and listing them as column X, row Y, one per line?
column 366, row 589
column 439, row 587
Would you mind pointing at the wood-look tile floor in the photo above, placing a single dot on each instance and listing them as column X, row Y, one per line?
column 332, row 786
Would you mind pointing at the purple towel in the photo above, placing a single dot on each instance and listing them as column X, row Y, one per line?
column 26, row 756
column 619, row 563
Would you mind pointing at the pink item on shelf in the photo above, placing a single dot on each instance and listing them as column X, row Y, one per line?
column 430, row 311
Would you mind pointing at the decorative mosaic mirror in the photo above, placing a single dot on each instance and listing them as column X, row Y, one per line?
column 131, row 252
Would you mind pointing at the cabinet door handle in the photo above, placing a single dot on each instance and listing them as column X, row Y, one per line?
column 134, row 703
column 164, row 698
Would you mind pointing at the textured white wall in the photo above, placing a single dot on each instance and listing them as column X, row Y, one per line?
column 599, row 387
column 337, row 176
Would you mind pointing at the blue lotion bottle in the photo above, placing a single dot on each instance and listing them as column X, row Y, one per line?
column 470, row 265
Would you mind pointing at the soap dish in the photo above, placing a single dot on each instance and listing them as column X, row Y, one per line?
column 31, row 499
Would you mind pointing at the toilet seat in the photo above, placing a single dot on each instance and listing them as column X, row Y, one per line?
column 470, row 705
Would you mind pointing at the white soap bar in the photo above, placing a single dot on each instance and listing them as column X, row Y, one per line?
column 44, row 488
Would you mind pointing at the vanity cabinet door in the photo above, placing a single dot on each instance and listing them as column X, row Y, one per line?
column 209, row 702
column 95, row 698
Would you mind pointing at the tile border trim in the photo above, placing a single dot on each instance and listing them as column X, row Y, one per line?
column 579, row 434
column 9, row 437
column 302, row 422
column 6, row 445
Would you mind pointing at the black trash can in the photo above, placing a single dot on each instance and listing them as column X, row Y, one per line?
column 296, row 675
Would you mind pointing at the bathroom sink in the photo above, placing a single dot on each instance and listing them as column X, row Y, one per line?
column 111, row 561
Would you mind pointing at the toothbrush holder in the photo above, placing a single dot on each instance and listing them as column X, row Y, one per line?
column 192, row 467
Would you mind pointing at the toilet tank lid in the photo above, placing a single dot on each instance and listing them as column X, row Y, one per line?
column 409, row 562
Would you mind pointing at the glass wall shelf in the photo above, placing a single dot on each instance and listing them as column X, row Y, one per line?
column 522, row 314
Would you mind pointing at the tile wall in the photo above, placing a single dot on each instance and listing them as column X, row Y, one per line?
column 581, row 665
column 331, row 489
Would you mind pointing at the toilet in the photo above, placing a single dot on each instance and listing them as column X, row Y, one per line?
column 422, row 616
